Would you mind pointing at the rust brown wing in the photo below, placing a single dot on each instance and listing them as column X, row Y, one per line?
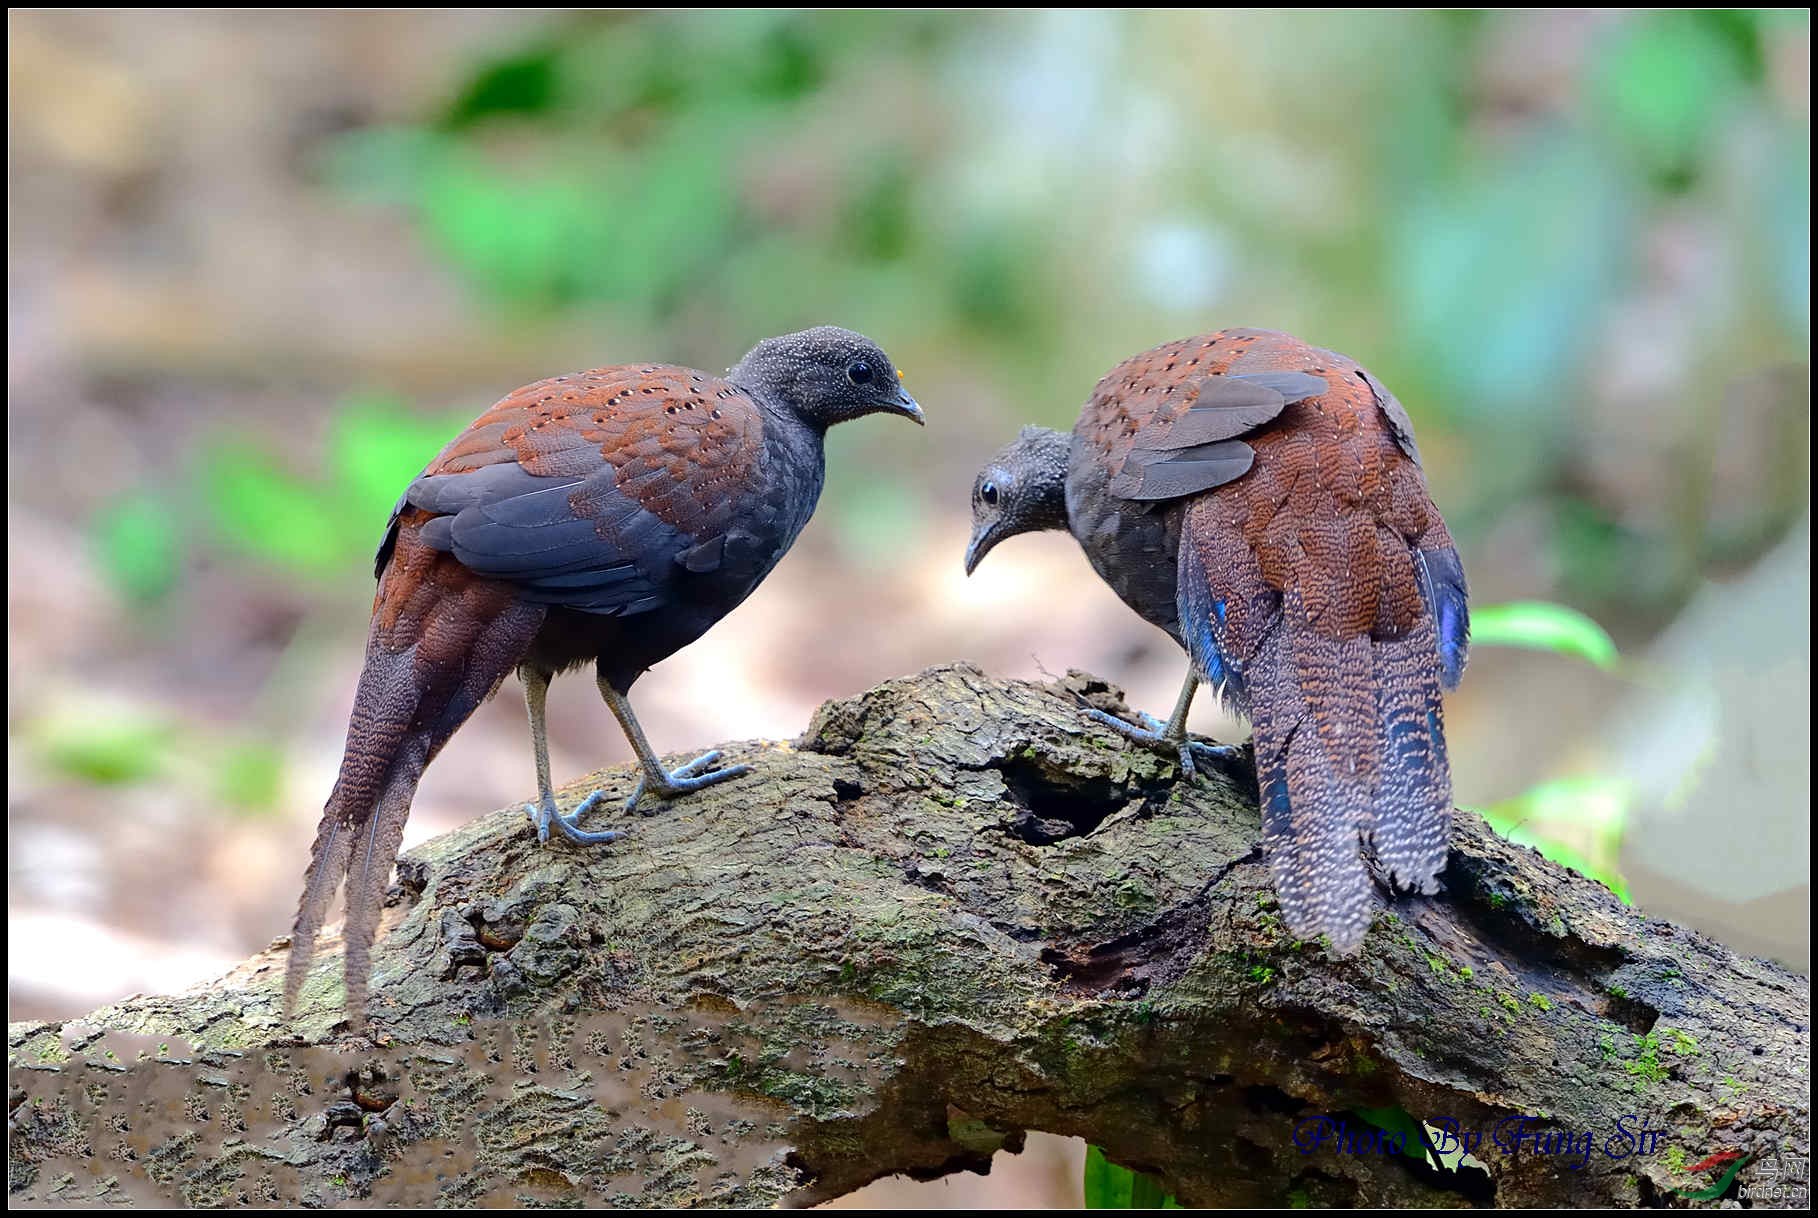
column 591, row 491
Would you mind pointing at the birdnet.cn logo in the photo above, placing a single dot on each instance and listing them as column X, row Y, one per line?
column 1779, row 1179
column 1771, row 1177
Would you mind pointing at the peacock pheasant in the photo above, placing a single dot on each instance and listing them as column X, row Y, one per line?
column 1262, row 501
column 609, row 517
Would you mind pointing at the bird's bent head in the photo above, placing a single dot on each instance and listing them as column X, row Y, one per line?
column 827, row 375
column 1021, row 490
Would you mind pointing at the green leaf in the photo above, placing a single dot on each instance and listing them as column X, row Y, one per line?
column 1543, row 627
column 250, row 777
column 1663, row 85
column 1110, row 1187
column 377, row 447
column 139, row 547
column 527, row 83
column 265, row 512
column 519, row 234
column 111, row 750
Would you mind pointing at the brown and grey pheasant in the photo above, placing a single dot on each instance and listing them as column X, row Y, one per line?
column 607, row 518
column 1262, row 501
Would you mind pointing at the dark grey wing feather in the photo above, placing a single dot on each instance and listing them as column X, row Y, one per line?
column 564, row 540
column 1293, row 386
column 389, row 541
column 1397, row 414
column 1149, row 476
column 1229, row 406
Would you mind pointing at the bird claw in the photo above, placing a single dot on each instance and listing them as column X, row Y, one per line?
column 1221, row 756
column 544, row 815
column 686, row 778
column 1185, row 750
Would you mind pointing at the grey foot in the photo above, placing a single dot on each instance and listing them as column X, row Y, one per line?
column 544, row 815
column 684, row 779
column 1186, row 751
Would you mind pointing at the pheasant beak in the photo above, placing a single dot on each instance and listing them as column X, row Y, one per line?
column 983, row 538
column 907, row 407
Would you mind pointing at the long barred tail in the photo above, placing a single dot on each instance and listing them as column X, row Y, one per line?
column 363, row 822
column 1350, row 731
column 441, row 642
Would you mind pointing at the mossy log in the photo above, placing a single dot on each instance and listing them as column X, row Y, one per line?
column 953, row 911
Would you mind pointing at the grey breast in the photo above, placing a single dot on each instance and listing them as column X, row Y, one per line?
column 1133, row 546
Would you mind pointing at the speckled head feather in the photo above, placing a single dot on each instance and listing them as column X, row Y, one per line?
column 1021, row 490
column 826, row 375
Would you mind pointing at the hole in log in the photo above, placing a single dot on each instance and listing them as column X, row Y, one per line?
column 1130, row 963
column 1263, row 1097
column 1053, row 804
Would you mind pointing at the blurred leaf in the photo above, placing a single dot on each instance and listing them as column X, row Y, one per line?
column 1110, row 1187
column 1788, row 229
column 140, row 548
column 1543, row 627
column 521, row 235
column 109, row 749
column 250, row 777
column 1576, row 822
column 671, row 218
column 1502, row 275
column 377, row 447
column 525, row 83
column 877, row 219
column 993, row 282
column 1600, row 558
column 787, row 63
column 265, row 512
column 1663, row 86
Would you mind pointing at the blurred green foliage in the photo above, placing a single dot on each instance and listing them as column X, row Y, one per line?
column 1577, row 822
column 1501, row 235
column 125, row 747
column 253, row 505
column 1544, row 627
column 1110, row 1187
column 140, row 548
column 1666, row 80
column 311, row 525
column 250, row 777
column 106, row 749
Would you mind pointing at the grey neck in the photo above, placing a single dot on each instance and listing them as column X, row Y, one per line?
column 1043, row 455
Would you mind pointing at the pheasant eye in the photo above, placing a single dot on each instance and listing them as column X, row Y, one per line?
column 860, row 373
column 988, row 493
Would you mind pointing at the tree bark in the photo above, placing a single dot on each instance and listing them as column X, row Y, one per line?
column 953, row 911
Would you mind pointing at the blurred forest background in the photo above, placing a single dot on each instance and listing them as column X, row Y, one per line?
column 261, row 265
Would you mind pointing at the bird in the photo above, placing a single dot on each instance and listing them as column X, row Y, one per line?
column 608, row 517
column 1263, row 502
